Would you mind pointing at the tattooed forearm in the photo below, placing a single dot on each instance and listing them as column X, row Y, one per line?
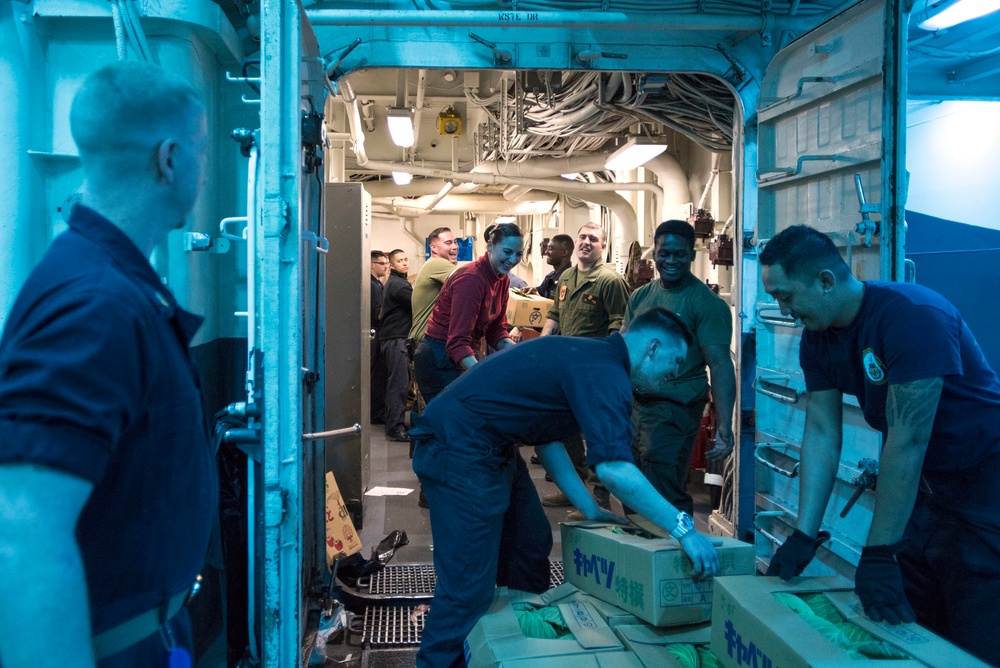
column 913, row 404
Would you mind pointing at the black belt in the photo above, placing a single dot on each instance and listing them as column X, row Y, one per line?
column 138, row 628
column 651, row 399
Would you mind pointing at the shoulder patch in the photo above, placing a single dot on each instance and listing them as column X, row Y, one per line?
column 873, row 367
column 562, row 292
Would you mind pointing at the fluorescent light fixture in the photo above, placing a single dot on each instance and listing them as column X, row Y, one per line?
column 528, row 208
column 573, row 176
column 503, row 220
column 636, row 151
column 956, row 12
column 402, row 178
column 401, row 126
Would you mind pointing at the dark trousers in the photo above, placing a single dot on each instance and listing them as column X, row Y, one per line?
column 377, row 395
column 397, row 368
column 578, row 455
column 488, row 528
column 433, row 368
column 951, row 562
column 664, row 434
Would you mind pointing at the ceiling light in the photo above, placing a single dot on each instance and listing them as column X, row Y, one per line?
column 402, row 178
column 946, row 14
column 571, row 177
column 634, row 152
column 503, row 220
column 401, row 126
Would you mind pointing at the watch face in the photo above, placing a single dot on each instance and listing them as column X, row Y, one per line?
column 684, row 521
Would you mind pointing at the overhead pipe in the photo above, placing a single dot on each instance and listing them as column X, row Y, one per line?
column 674, row 181
column 658, row 21
column 494, row 179
column 418, row 188
column 544, row 167
column 353, row 120
column 711, row 182
column 445, row 189
column 419, row 104
column 417, row 208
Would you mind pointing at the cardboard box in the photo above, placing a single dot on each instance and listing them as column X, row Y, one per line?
column 341, row 538
column 611, row 614
column 602, row 660
column 496, row 640
column 649, row 643
column 651, row 578
column 527, row 310
column 752, row 628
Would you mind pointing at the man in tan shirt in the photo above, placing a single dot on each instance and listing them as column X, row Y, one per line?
column 426, row 287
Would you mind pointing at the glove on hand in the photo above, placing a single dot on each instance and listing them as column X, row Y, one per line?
column 795, row 554
column 879, row 584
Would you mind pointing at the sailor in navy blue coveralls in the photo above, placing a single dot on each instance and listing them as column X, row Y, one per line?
column 107, row 480
column 96, row 381
column 486, row 518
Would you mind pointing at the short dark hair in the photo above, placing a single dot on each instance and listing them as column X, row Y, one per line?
column 564, row 239
column 436, row 232
column 662, row 320
column 376, row 254
column 496, row 232
column 394, row 253
column 678, row 228
column 803, row 252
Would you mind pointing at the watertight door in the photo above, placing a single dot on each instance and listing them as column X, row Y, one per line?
column 828, row 117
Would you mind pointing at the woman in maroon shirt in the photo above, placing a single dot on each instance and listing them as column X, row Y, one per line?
column 472, row 305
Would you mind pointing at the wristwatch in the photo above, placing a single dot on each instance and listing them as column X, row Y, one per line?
column 685, row 525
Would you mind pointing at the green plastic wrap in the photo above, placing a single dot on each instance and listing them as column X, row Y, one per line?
column 541, row 623
column 686, row 654
column 708, row 659
column 819, row 612
column 632, row 531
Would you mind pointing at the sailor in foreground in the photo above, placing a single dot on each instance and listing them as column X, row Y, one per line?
column 486, row 519
column 922, row 381
column 107, row 479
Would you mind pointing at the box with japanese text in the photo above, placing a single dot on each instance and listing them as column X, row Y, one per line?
column 645, row 574
column 341, row 538
column 765, row 622
column 498, row 640
column 526, row 310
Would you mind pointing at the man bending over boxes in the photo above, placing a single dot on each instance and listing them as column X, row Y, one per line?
column 921, row 379
column 487, row 522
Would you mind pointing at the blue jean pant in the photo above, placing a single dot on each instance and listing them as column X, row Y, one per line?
column 489, row 529
column 432, row 367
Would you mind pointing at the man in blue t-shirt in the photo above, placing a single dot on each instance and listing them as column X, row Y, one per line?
column 486, row 519
column 108, row 483
column 922, row 381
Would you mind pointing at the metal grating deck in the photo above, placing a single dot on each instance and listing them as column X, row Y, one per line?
column 392, row 626
column 419, row 579
column 387, row 625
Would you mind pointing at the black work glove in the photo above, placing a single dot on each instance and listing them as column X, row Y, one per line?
column 795, row 554
column 879, row 584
